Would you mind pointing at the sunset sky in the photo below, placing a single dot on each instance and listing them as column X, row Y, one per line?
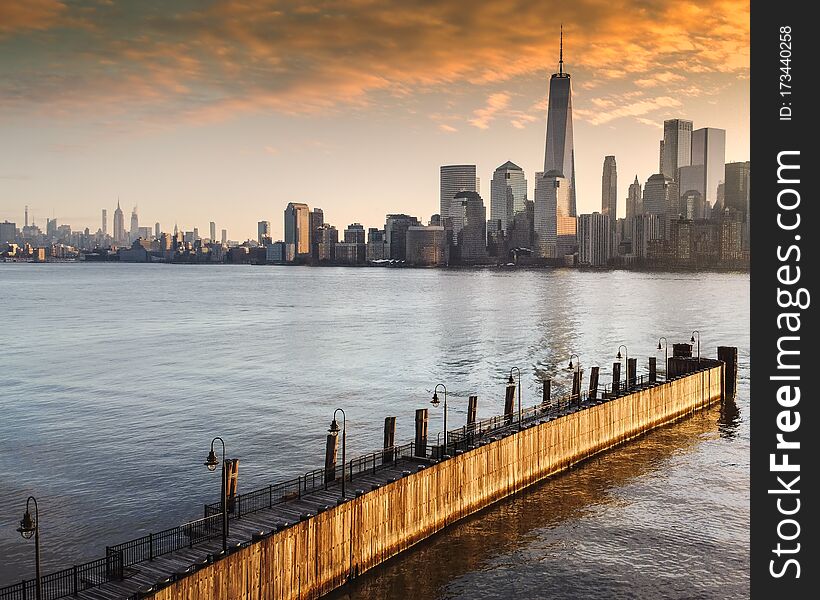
column 227, row 110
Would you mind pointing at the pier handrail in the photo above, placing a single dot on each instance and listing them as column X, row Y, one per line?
column 118, row 558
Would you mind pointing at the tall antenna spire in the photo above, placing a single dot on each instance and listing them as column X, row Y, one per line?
column 561, row 52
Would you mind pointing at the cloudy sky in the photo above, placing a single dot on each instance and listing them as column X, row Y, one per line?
column 226, row 110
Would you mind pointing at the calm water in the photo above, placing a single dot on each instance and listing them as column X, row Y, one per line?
column 114, row 378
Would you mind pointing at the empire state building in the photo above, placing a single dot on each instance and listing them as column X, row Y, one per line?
column 560, row 154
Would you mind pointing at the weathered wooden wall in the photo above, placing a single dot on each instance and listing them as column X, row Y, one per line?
column 317, row 555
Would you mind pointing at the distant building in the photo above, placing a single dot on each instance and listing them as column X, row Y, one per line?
column 297, row 228
column 469, row 218
column 644, row 229
column 395, row 232
column 692, row 205
column 316, row 220
column 51, row 228
column 425, row 246
column 660, row 198
column 594, row 239
column 104, row 227
column 676, row 147
column 212, row 232
column 8, row 232
column 327, row 237
column 224, row 236
column 609, row 190
column 376, row 248
column 354, row 234
column 263, row 232
column 454, row 179
column 520, row 234
column 349, row 253
column 550, row 189
column 156, row 230
column 709, row 150
column 275, row 252
column 508, row 192
column 120, row 236
column 736, row 188
column 135, row 225
column 634, row 203
column 136, row 253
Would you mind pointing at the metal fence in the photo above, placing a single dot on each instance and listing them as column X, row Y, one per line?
column 71, row 581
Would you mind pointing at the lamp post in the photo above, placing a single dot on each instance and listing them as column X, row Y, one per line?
column 626, row 356
column 334, row 431
column 435, row 402
column 665, row 355
column 211, row 462
column 512, row 381
column 692, row 339
column 29, row 527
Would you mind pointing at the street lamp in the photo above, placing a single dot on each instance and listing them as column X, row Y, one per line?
column 334, row 431
column 31, row 527
column 577, row 369
column 665, row 355
column 692, row 339
column 511, row 381
column 626, row 356
column 435, row 402
column 211, row 462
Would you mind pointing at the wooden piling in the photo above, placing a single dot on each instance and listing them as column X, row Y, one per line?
column 728, row 354
column 631, row 373
column 545, row 391
column 472, row 410
column 593, row 382
column 576, row 385
column 616, row 378
column 509, row 402
column 653, row 369
column 389, row 439
column 330, row 458
column 421, row 432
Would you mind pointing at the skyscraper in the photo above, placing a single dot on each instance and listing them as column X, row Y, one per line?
column 552, row 196
column 395, row 234
column 560, row 153
column 156, row 230
column 224, row 236
column 634, row 204
column 104, row 227
column 660, row 197
column 354, row 234
column 119, row 225
column 609, row 190
column 594, row 239
column 455, row 179
column 135, row 225
column 676, row 146
column 709, row 151
column 508, row 192
column 297, row 228
column 213, row 232
column 263, row 232
column 469, row 219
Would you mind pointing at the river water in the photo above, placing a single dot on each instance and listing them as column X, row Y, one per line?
column 114, row 378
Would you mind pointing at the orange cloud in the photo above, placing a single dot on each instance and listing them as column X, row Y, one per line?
column 234, row 57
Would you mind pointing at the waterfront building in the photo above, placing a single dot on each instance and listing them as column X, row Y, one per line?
column 676, row 147
column 349, row 253
column 644, row 229
column 326, row 238
column 594, row 239
column 376, row 247
column 275, row 252
column 552, row 195
column 316, row 220
column 395, row 232
column 709, row 151
column 520, row 234
column 452, row 180
column 263, row 232
column 559, row 154
column 609, row 189
column 297, row 228
column 426, row 246
column 469, row 219
column 508, row 192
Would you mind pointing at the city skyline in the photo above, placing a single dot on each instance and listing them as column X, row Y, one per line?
column 237, row 167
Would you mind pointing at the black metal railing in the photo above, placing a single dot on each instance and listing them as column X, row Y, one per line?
column 113, row 566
